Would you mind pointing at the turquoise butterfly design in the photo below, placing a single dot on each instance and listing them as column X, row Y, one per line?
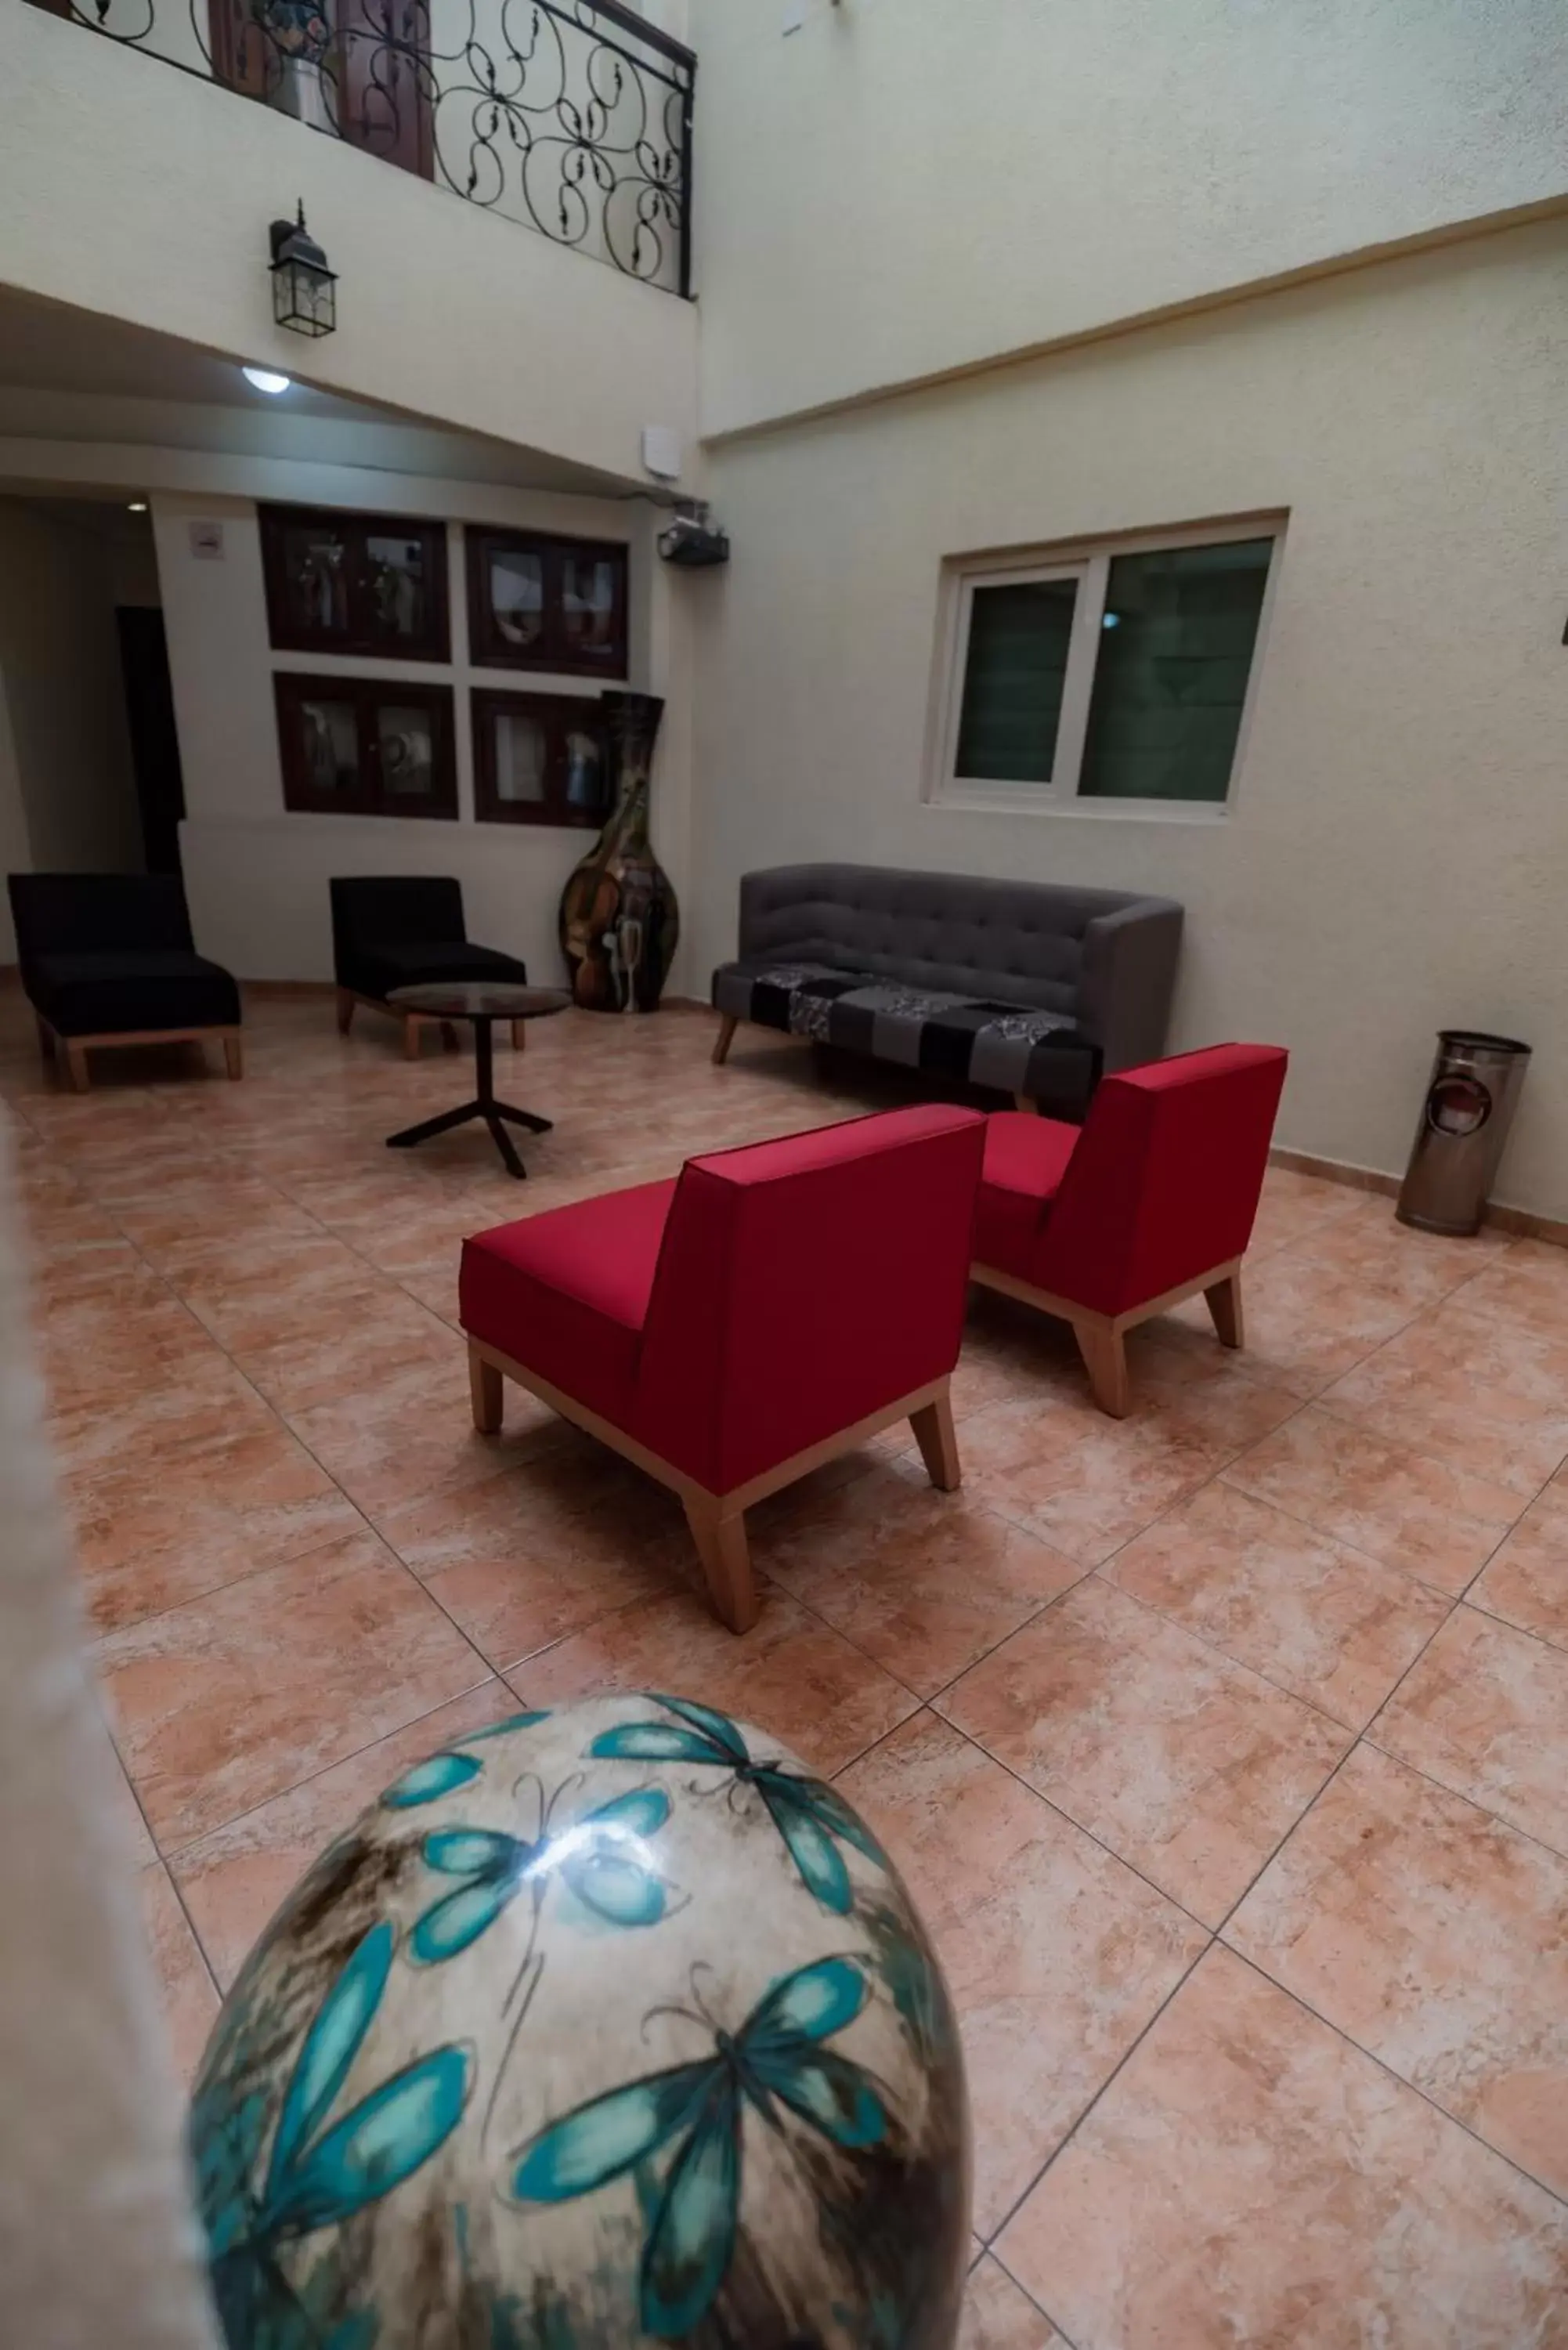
column 692, row 2116
column 442, row 1774
column 808, row 1815
column 319, row 2173
column 603, row 1859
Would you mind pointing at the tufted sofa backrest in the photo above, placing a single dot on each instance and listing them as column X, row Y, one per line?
column 959, row 933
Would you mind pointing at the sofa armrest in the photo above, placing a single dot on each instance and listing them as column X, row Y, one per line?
column 1127, row 980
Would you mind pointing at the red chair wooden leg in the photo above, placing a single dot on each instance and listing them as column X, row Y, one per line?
column 1224, row 1304
column 726, row 1562
column 1105, row 1359
column 938, row 1440
column 484, row 1387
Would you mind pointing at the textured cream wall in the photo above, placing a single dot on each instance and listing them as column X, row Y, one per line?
column 130, row 188
column 909, row 185
column 1396, row 857
column 256, row 874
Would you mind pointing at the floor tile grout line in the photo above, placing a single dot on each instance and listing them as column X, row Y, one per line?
column 177, row 1889
column 488, row 1670
column 1325, row 1533
column 1218, row 1475
column 1214, row 1933
column 1057, row 1810
column 1455, row 2120
column 1460, row 1795
column 1180, row 1502
column 160, row 1858
column 1558, row 1642
column 990, row 2253
column 183, row 1851
column 1336, row 1721
column 1218, row 1940
column 1098, row 1572
column 927, row 1702
column 1306, row 1812
column 1128, row 2052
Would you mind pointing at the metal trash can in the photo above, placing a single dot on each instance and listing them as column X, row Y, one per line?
column 1471, row 1101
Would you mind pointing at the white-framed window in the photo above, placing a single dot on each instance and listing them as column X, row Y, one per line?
column 1104, row 676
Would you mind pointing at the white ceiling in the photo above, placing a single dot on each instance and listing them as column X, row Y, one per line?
column 71, row 374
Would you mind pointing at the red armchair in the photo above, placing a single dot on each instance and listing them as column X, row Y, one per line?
column 1150, row 1201
column 730, row 1330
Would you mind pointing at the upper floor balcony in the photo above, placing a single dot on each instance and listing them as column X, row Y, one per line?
column 573, row 117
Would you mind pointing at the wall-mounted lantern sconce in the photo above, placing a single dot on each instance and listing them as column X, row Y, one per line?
column 693, row 540
column 303, row 298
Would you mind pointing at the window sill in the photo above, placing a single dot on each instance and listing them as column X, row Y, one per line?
column 1198, row 812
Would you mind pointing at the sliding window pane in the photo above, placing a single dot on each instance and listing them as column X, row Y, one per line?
column 1175, row 657
column 1013, row 671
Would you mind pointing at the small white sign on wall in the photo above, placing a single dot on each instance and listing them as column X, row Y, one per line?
column 207, row 540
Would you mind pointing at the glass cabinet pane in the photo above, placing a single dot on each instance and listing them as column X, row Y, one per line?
column 587, row 606
column 517, row 598
column 329, row 733
column 1181, row 627
column 407, row 751
column 585, row 781
column 315, row 579
column 1014, row 673
column 395, row 587
column 521, row 752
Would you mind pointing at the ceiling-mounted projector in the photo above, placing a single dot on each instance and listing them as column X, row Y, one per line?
column 694, row 539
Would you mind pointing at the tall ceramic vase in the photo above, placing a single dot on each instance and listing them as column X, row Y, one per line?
column 618, row 920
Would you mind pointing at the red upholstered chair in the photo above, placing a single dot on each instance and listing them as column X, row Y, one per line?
column 1150, row 1201
column 730, row 1330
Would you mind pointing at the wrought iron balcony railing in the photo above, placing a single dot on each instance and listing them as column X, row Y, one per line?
column 573, row 116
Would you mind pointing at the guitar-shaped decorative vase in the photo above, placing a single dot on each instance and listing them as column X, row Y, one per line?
column 618, row 920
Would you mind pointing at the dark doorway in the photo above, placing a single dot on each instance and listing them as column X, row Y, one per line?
column 154, row 743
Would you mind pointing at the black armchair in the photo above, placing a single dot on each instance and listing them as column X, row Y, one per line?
column 108, row 959
column 406, row 930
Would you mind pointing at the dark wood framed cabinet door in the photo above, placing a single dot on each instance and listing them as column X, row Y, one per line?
column 385, row 82
column 341, row 583
column 539, row 602
column 358, row 69
column 365, row 746
column 408, row 737
column 280, row 54
column 539, row 758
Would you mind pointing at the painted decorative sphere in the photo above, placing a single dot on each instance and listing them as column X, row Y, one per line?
column 607, row 2026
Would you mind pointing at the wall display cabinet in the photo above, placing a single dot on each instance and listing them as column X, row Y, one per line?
column 539, row 758
column 540, row 602
column 348, row 583
column 365, row 746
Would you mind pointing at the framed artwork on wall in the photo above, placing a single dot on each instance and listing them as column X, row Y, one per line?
column 540, row 602
column 365, row 746
column 539, row 758
column 349, row 583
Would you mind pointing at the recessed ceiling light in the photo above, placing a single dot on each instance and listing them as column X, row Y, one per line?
column 266, row 379
column 137, row 505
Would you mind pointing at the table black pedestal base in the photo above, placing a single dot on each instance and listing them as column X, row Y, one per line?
column 495, row 1113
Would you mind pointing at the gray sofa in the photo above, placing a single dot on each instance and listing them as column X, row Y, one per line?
column 1026, row 986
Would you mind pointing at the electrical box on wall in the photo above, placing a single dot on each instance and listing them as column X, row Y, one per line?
column 661, row 452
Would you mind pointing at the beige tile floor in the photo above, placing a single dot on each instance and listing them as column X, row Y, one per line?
column 1226, row 1750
